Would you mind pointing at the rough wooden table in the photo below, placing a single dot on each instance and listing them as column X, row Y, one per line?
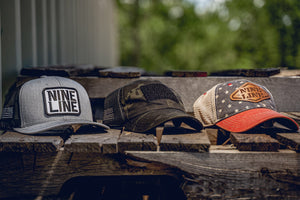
column 43, row 166
column 212, row 164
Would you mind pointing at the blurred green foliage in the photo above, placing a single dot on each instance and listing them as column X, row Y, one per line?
column 209, row 35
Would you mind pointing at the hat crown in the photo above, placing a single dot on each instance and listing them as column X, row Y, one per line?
column 137, row 98
column 230, row 98
column 240, row 95
column 52, row 98
column 144, row 104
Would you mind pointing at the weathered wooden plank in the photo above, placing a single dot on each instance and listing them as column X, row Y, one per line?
column 227, row 175
column 47, row 174
column 217, row 136
column 190, row 88
column 245, row 175
column 119, row 74
column 135, row 71
column 24, row 175
column 229, row 148
column 180, row 73
column 254, row 142
column 16, row 142
column 96, row 142
column 61, row 70
column 292, row 140
column 136, row 142
column 212, row 134
column 183, row 139
column 288, row 73
column 248, row 72
column 294, row 115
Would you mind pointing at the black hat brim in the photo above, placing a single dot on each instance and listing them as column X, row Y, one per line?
column 154, row 118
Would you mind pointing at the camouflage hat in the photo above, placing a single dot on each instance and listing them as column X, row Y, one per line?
column 145, row 104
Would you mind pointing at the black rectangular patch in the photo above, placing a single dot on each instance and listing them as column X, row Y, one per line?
column 61, row 101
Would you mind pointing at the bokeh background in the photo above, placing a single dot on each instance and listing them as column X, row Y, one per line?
column 154, row 35
column 209, row 35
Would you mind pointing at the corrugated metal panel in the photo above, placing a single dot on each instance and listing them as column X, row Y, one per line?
column 88, row 31
column 28, row 37
column 50, row 32
column 11, row 41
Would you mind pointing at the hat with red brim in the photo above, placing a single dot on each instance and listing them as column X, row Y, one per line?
column 239, row 105
column 246, row 120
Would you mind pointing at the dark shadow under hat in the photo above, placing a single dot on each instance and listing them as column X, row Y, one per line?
column 145, row 104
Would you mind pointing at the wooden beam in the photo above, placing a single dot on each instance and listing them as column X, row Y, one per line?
column 294, row 115
column 158, row 134
column 254, row 142
column 182, row 139
column 16, row 142
column 103, row 73
column 136, row 142
column 292, row 140
column 212, row 134
column 93, row 142
column 235, row 174
column 181, row 73
column 45, row 174
column 248, row 72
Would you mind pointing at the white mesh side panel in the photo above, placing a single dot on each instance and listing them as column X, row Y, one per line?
column 205, row 109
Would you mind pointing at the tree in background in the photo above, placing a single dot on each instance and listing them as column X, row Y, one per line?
column 209, row 35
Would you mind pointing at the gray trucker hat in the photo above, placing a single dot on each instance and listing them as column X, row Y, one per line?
column 48, row 103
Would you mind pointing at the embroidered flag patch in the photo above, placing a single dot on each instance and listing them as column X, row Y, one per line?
column 249, row 92
column 7, row 113
column 61, row 101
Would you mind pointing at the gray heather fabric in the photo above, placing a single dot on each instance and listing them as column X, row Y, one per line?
column 52, row 102
column 143, row 105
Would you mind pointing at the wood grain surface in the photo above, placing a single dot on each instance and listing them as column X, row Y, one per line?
column 254, row 142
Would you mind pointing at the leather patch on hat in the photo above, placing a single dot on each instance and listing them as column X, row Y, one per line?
column 250, row 92
column 61, row 101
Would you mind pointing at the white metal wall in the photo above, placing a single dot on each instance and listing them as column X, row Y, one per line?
column 50, row 32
